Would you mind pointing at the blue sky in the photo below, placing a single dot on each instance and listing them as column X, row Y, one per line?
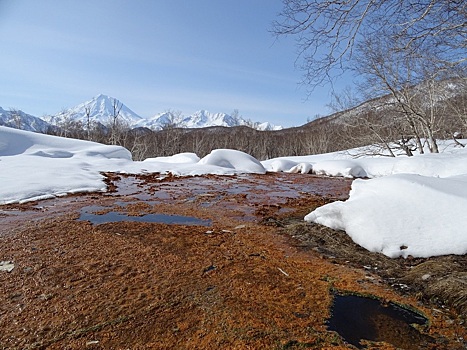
column 153, row 55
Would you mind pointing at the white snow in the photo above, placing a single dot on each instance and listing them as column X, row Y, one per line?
column 405, row 206
column 232, row 159
column 176, row 158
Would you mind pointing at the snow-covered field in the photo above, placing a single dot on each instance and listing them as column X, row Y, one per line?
column 410, row 206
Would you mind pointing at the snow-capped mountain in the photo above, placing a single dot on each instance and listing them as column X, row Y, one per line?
column 201, row 119
column 204, row 118
column 19, row 120
column 101, row 109
column 267, row 126
column 158, row 122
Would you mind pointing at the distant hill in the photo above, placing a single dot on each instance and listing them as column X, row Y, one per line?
column 447, row 91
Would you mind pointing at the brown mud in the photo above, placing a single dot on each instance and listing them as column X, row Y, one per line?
column 253, row 276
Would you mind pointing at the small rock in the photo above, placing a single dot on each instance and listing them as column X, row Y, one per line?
column 426, row 276
column 7, row 266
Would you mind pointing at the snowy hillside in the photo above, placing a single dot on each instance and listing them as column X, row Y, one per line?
column 101, row 110
column 20, row 120
column 443, row 91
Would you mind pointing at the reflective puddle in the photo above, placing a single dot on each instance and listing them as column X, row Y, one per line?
column 89, row 214
column 356, row 318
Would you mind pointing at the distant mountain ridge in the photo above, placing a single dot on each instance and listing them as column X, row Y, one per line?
column 102, row 108
column 201, row 119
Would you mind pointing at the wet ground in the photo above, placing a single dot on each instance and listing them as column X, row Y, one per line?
column 210, row 262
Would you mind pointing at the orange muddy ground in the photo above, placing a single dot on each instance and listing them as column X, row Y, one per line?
column 235, row 282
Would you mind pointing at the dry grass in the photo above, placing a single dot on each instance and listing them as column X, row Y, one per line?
column 443, row 280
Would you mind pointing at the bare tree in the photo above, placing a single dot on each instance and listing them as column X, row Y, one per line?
column 327, row 31
column 15, row 114
column 116, row 125
column 413, row 81
column 343, row 100
column 174, row 119
column 87, row 113
column 236, row 118
column 456, row 109
column 67, row 126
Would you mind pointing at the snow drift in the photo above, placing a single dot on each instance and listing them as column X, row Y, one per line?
column 232, row 159
column 402, row 215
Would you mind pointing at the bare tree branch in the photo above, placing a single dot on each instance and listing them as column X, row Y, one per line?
column 328, row 31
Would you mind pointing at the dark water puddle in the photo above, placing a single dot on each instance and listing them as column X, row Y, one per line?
column 88, row 214
column 356, row 318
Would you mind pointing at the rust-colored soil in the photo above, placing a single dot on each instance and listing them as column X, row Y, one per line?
column 240, row 283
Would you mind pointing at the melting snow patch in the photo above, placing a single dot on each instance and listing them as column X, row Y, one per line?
column 7, row 266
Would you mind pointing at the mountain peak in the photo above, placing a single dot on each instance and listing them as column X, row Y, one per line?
column 104, row 99
column 100, row 108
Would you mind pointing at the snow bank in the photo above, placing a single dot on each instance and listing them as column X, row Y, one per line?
column 453, row 161
column 345, row 168
column 232, row 159
column 437, row 165
column 402, row 215
column 36, row 166
column 302, row 168
column 18, row 142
